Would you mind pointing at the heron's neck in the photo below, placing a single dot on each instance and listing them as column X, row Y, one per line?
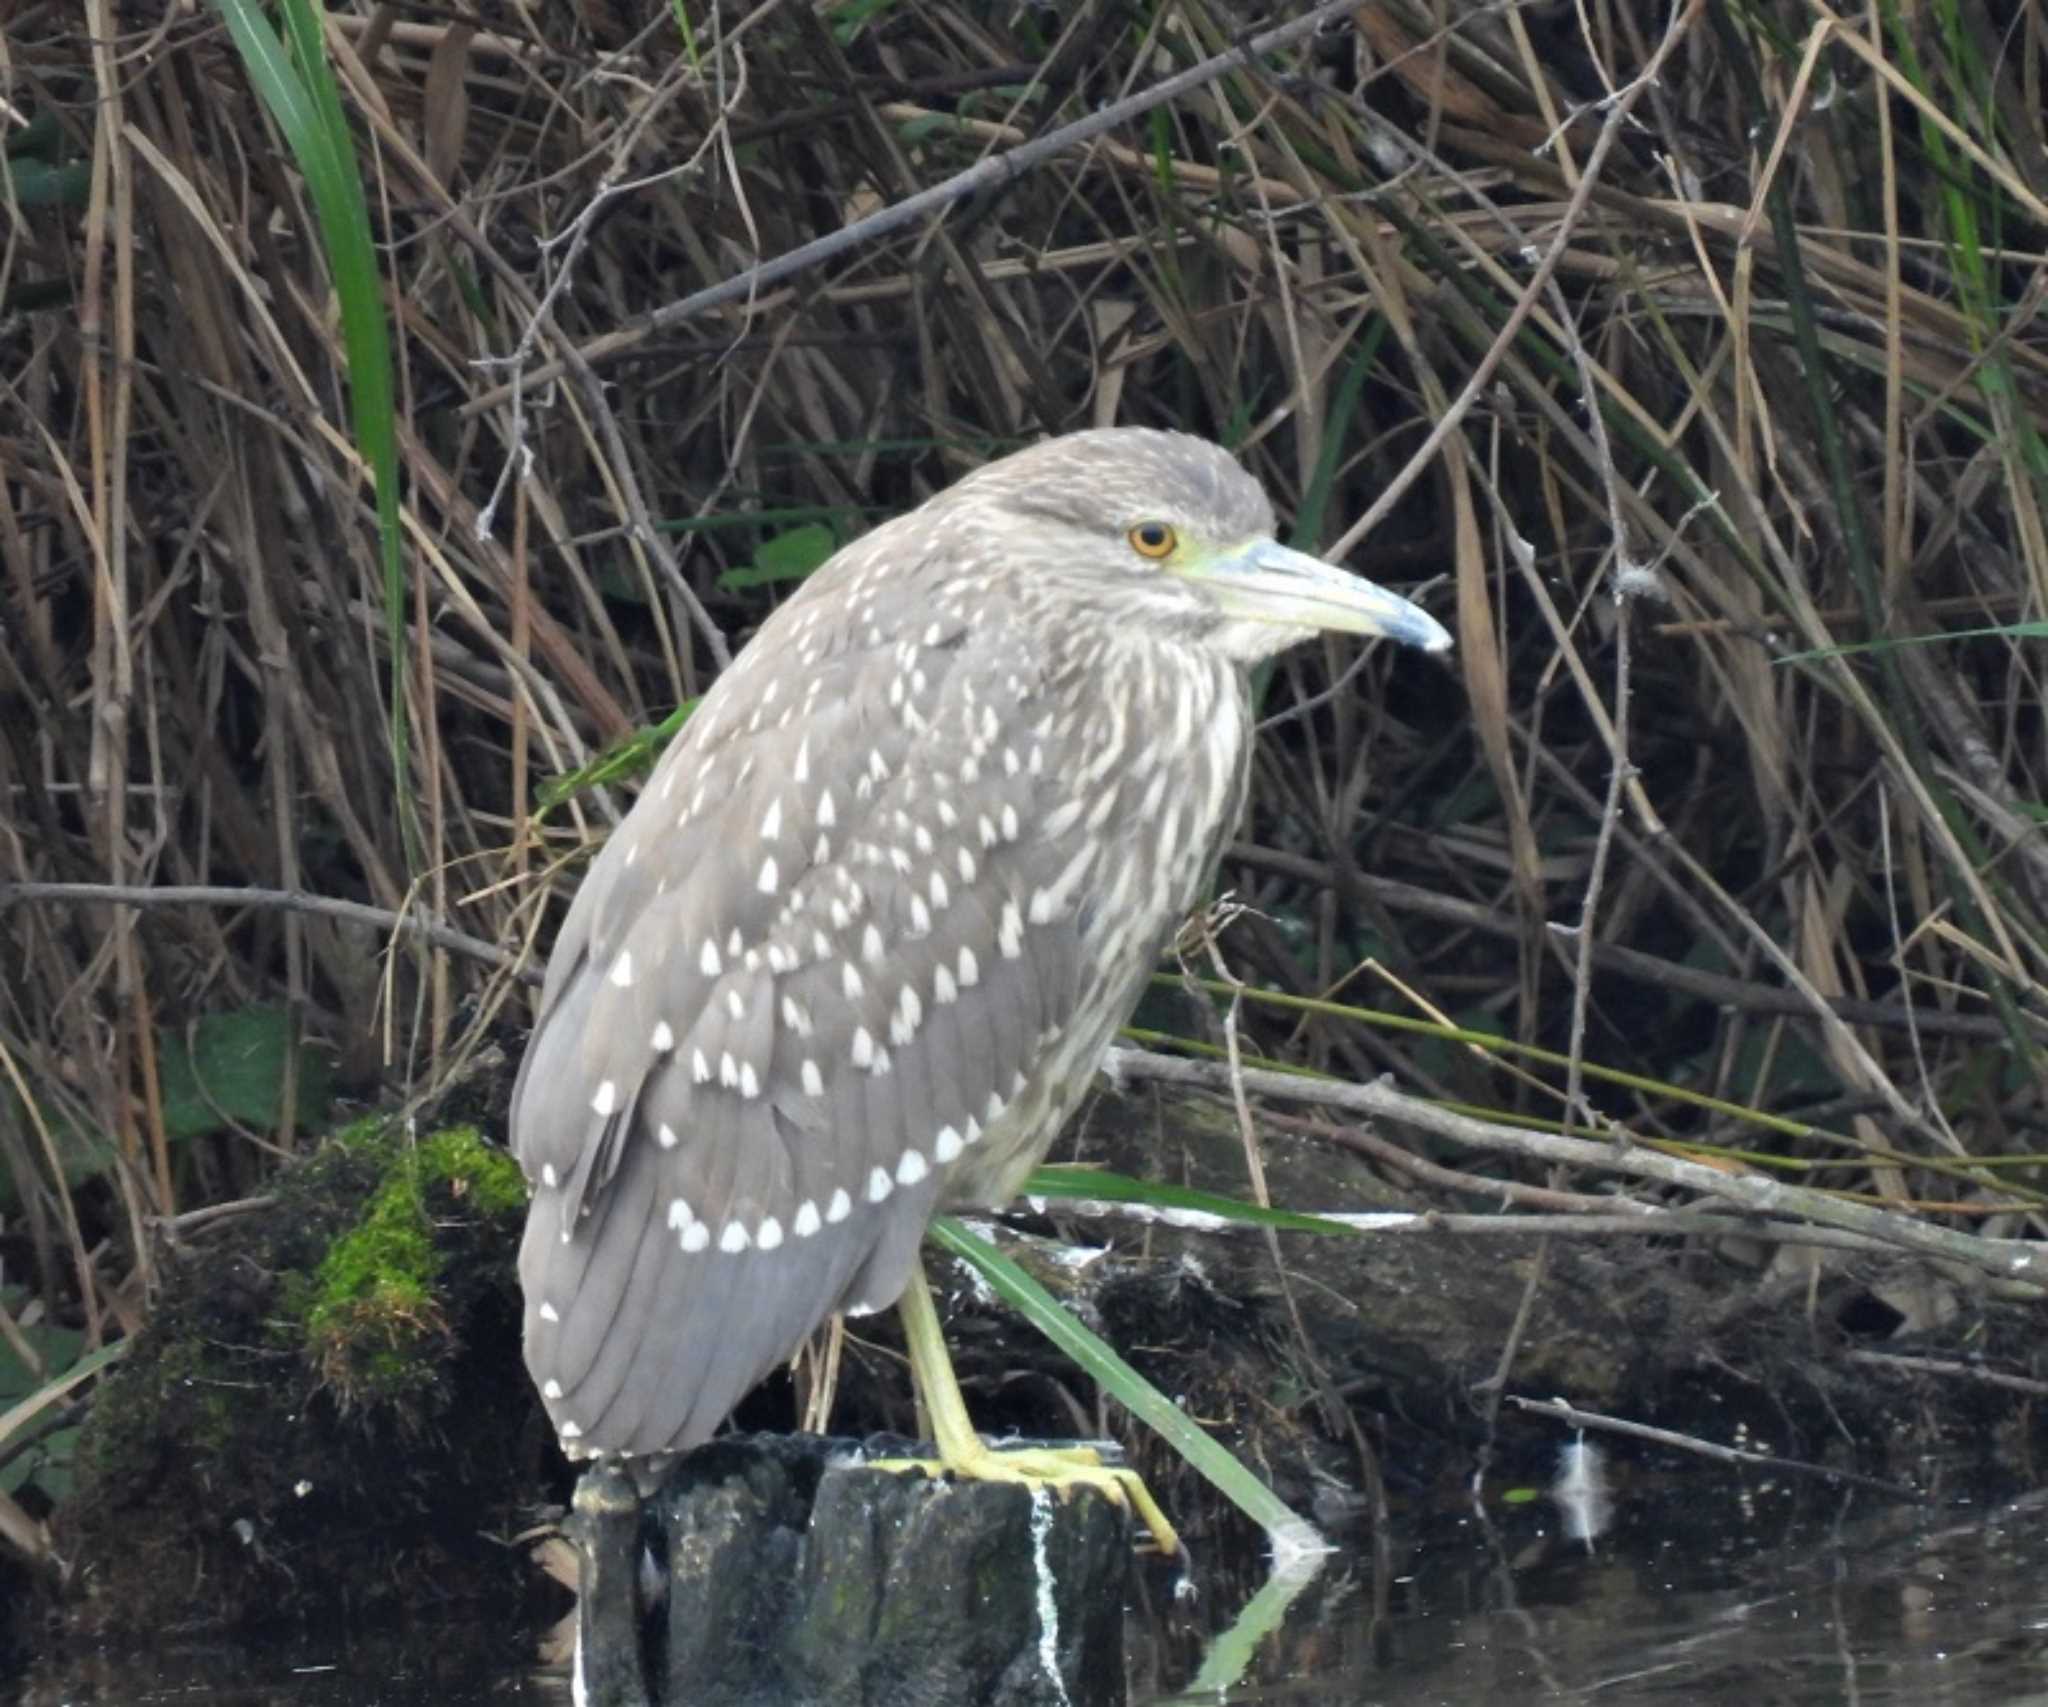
column 1249, row 643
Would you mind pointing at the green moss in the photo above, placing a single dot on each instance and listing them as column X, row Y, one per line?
column 374, row 1323
column 489, row 1180
column 308, row 1370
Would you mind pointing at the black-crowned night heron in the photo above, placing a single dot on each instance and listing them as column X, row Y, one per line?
column 859, row 946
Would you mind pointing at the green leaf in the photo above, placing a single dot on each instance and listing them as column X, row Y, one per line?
column 36, row 183
column 27, row 1395
column 228, row 1068
column 785, row 557
column 850, row 19
column 924, row 125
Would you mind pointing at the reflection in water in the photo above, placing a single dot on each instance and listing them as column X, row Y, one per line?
column 1581, row 1492
column 1782, row 1595
column 1706, row 1591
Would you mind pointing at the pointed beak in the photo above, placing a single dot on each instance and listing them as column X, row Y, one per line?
column 1271, row 583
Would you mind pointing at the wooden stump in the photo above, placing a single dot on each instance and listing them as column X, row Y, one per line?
column 796, row 1576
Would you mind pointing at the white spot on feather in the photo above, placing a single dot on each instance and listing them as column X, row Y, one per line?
column 622, row 969
column 1049, row 902
column 839, row 1208
column 909, row 1015
column 911, row 1168
column 733, row 1238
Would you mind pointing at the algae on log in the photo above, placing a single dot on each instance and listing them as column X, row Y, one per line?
column 327, row 1412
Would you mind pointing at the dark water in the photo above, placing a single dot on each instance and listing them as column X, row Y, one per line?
column 1701, row 1593
column 1704, row 1591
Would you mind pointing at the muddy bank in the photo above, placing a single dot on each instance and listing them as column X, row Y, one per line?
column 328, row 1416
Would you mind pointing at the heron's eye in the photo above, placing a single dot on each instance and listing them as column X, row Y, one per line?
column 1153, row 539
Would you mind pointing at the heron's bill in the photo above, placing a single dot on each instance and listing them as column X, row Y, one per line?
column 1272, row 583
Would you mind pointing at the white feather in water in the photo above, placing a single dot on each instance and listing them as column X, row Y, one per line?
column 1581, row 1491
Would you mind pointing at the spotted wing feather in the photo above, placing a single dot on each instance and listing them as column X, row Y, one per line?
column 788, row 1002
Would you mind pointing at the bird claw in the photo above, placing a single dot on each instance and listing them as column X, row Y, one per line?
column 1059, row 1470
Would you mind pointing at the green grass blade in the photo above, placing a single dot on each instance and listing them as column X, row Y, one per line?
column 1203, row 1452
column 1099, row 1185
column 297, row 87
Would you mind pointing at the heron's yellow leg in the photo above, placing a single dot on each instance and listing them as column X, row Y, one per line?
column 962, row 1452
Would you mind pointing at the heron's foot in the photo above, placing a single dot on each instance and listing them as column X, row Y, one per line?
column 1058, row 1469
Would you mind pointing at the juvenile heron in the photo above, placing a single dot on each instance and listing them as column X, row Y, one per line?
column 855, row 952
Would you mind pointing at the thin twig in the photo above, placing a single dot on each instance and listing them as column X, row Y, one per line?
column 412, row 923
column 1741, row 994
column 1572, row 1417
column 1567, row 228
column 2019, row 1263
column 989, row 173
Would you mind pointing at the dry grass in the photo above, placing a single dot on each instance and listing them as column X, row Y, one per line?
column 1656, row 819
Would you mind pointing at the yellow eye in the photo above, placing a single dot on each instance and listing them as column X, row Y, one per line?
column 1153, row 539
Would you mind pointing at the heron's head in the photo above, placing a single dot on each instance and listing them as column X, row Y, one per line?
column 1166, row 528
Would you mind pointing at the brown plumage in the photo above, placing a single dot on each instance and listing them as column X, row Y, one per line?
column 856, row 950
